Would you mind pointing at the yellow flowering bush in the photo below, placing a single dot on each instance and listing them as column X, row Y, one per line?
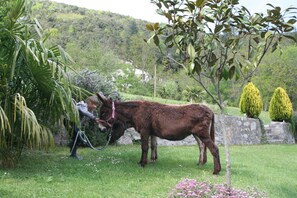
column 280, row 107
column 250, row 101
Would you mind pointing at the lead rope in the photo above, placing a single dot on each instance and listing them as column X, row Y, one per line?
column 86, row 140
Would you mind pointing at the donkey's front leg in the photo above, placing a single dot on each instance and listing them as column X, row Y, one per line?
column 202, row 150
column 154, row 148
column 144, row 147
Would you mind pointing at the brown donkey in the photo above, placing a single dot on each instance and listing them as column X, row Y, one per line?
column 171, row 122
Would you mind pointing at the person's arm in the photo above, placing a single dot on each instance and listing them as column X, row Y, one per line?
column 83, row 110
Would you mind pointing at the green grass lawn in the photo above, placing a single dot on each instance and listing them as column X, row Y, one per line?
column 114, row 172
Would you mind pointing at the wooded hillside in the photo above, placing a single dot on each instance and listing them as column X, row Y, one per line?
column 104, row 41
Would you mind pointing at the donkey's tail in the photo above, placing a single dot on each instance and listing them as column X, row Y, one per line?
column 212, row 128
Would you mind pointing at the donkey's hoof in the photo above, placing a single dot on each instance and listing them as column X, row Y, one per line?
column 216, row 172
column 201, row 163
column 141, row 164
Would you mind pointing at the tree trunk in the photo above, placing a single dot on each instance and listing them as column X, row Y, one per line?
column 155, row 80
column 227, row 133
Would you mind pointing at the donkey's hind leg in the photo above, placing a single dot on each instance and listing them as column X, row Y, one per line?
column 214, row 151
column 144, row 147
column 154, row 148
column 202, row 151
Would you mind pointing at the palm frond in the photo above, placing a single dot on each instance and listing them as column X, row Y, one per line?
column 4, row 123
column 34, row 81
column 31, row 131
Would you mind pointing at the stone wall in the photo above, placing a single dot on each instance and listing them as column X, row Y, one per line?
column 240, row 131
column 279, row 133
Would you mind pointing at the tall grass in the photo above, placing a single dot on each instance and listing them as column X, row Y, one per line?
column 114, row 172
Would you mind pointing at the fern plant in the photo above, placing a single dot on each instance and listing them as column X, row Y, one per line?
column 250, row 101
column 280, row 107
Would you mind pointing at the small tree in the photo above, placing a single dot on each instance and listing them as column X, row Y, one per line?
column 250, row 101
column 193, row 94
column 220, row 40
column 280, row 107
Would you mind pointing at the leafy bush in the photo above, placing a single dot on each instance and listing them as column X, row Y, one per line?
column 193, row 94
column 93, row 82
column 280, row 108
column 128, row 82
column 194, row 188
column 171, row 90
column 250, row 101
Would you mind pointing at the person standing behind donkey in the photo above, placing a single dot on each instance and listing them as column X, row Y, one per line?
column 84, row 109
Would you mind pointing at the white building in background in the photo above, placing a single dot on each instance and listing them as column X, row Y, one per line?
column 144, row 76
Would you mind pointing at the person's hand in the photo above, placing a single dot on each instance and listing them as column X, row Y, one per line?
column 101, row 127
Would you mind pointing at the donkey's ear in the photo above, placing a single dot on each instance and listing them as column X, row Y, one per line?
column 101, row 97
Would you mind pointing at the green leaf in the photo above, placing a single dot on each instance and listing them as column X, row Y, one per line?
column 269, row 4
column 289, row 28
column 225, row 74
column 213, row 60
column 263, row 34
column 200, row 3
column 208, row 19
column 230, row 61
column 218, row 28
column 156, row 26
column 168, row 16
column 169, row 38
column 292, row 21
column 197, row 68
column 231, row 72
column 191, row 6
column 191, row 67
column 156, row 40
column 149, row 27
column 191, row 51
column 267, row 34
column 237, row 72
column 256, row 39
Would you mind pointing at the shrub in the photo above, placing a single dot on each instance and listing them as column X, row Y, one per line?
column 194, row 188
column 93, row 82
column 132, row 84
column 280, row 107
column 193, row 94
column 170, row 90
column 250, row 101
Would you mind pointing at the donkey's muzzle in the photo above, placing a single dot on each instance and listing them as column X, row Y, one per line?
column 102, row 128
